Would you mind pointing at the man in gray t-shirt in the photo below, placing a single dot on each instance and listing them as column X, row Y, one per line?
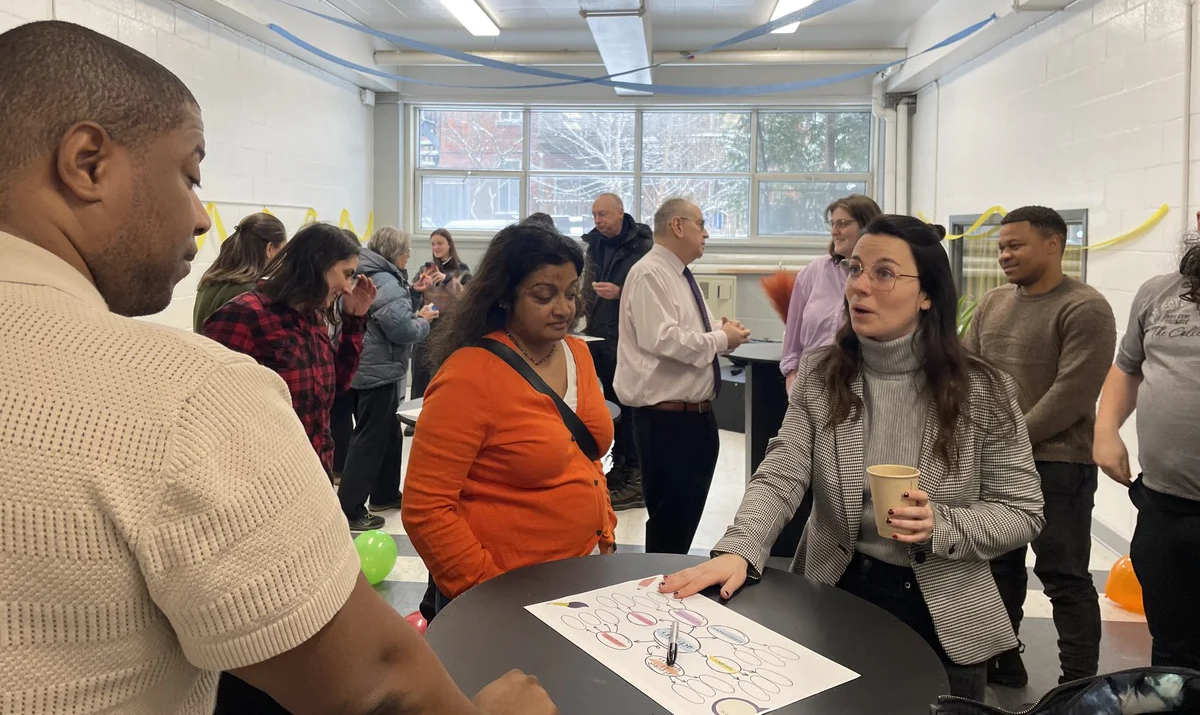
column 1158, row 370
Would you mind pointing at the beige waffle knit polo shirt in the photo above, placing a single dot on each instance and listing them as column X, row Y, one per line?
column 162, row 514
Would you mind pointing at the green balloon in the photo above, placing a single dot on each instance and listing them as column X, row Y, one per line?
column 376, row 553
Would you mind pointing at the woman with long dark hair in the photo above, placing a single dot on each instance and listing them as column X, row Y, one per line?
column 1157, row 372
column 244, row 254
column 496, row 479
column 440, row 283
column 815, row 314
column 897, row 355
column 284, row 324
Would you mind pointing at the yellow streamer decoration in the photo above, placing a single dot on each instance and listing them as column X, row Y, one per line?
column 214, row 217
column 310, row 216
column 1145, row 226
column 345, row 222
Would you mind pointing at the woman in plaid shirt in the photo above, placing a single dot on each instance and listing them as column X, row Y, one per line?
column 284, row 324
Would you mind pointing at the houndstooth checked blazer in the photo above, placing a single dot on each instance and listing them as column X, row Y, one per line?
column 989, row 505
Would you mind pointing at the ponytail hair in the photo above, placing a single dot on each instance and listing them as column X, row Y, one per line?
column 243, row 255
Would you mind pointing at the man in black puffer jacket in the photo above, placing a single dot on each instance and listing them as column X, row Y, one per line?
column 613, row 247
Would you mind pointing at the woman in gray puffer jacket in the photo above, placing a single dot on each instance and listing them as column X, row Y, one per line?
column 373, row 459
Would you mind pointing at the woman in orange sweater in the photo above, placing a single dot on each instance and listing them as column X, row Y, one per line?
column 495, row 481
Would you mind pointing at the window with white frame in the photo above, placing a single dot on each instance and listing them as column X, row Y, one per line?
column 753, row 172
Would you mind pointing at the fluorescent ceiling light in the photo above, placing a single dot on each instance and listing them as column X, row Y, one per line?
column 783, row 7
column 621, row 40
column 472, row 17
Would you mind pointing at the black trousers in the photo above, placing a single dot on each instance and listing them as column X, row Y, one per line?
column 373, row 462
column 237, row 697
column 341, row 424
column 678, row 451
column 1166, row 558
column 1062, row 552
column 895, row 590
column 604, row 354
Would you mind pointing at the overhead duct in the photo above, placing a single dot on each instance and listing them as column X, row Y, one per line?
column 400, row 58
column 619, row 28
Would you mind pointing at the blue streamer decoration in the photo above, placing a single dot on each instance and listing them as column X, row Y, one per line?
column 683, row 90
column 818, row 8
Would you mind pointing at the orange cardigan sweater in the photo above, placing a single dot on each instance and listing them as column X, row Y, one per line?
column 494, row 481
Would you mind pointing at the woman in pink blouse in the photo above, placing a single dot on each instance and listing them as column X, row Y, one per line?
column 815, row 312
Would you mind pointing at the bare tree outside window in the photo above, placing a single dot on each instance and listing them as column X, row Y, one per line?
column 480, row 169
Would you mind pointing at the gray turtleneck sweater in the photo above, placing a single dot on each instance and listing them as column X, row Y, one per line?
column 893, row 427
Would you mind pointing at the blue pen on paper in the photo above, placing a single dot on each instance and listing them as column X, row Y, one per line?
column 673, row 648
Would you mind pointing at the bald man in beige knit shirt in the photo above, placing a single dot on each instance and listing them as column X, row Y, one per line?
column 162, row 514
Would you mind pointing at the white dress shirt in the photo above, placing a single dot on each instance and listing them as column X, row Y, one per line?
column 663, row 353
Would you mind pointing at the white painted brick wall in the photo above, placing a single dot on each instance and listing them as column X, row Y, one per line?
column 1084, row 110
column 279, row 133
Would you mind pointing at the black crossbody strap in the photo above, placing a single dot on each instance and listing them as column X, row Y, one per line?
column 583, row 438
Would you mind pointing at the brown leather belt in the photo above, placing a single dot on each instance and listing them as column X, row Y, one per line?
column 701, row 407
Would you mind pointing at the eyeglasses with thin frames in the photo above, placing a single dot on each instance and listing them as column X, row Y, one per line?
column 842, row 223
column 881, row 277
column 699, row 221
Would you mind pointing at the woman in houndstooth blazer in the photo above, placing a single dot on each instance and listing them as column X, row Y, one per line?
column 857, row 404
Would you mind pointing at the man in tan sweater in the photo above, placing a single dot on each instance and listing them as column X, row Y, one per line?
column 1055, row 336
column 162, row 515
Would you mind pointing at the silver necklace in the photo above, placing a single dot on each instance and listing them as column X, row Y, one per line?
column 529, row 357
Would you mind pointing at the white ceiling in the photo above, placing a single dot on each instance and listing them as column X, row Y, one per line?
column 540, row 25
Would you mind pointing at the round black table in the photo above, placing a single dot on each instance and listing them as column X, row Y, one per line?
column 486, row 632
column 613, row 411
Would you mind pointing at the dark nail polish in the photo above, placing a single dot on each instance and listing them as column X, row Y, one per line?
column 895, row 537
column 905, row 495
column 888, row 520
column 891, row 512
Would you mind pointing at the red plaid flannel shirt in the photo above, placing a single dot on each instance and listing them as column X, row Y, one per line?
column 298, row 347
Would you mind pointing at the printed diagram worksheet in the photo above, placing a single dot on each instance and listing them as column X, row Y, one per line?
column 727, row 664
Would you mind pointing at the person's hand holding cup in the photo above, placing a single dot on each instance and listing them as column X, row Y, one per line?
column 902, row 510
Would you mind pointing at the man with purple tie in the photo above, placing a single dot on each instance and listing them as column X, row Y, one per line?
column 668, row 371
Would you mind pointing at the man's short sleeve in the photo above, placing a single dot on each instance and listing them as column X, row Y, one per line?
column 1131, row 351
column 244, row 547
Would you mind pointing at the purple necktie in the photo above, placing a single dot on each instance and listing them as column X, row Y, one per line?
column 716, row 364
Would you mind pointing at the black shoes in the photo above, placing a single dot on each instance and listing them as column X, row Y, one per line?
column 367, row 522
column 1007, row 669
column 630, row 495
column 385, row 506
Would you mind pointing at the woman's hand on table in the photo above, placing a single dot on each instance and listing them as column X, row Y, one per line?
column 913, row 524
column 727, row 571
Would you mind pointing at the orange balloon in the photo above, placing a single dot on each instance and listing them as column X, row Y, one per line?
column 1123, row 588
